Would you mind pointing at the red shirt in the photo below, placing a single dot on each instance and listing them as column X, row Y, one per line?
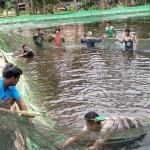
column 58, row 39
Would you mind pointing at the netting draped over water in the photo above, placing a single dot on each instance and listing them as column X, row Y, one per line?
column 19, row 134
column 45, row 135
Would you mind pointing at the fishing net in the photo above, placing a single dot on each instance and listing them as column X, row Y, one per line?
column 19, row 134
column 46, row 133
column 43, row 21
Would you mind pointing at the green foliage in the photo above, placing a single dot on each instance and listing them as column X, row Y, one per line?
column 70, row 8
column 142, row 2
column 8, row 4
column 23, row 12
column 31, row 11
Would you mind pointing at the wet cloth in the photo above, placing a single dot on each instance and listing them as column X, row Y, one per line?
column 118, row 127
column 110, row 31
column 90, row 42
column 5, row 94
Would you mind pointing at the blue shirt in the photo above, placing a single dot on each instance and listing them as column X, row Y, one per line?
column 11, row 91
column 90, row 42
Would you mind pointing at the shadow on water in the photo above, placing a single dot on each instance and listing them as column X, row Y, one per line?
column 72, row 80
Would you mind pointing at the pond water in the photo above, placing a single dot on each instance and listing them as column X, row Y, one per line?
column 73, row 80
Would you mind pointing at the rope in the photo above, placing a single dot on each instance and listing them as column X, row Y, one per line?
column 43, row 114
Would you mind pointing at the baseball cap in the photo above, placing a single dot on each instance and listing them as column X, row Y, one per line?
column 90, row 32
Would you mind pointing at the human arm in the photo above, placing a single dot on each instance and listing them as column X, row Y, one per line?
column 21, row 55
column 73, row 139
column 115, row 33
column 98, row 40
column 22, row 107
column 21, row 104
column 62, row 38
column 83, row 39
column 134, row 41
column 96, row 145
column 43, row 38
column 120, row 40
column 51, row 38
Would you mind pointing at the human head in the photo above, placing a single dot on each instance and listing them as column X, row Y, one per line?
column 90, row 122
column 57, row 31
column 108, row 23
column 127, row 32
column 89, row 33
column 12, row 73
column 38, row 30
column 25, row 47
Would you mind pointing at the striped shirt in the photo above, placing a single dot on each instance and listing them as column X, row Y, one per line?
column 118, row 127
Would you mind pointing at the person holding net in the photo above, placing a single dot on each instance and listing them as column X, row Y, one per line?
column 129, row 40
column 109, row 31
column 39, row 37
column 90, row 40
column 27, row 52
column 108, row 129
column 58, row 38
column 8, row 91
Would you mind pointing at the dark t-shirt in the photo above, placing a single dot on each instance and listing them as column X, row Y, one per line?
column 29, row 53
column 38, row 39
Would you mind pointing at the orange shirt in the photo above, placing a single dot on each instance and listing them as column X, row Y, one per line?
column 58, row 39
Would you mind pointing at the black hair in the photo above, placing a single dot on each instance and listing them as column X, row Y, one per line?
column 108, row 22
column 10, row 70
column 57, row 29
column 38, row 28
column 91, row 115
column 24, row 45
column 127, row 30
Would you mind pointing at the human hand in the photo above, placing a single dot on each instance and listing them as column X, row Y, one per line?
column 105, row 36
column 82, row 37
column 49, row 35
column 115, row 39
column 29, row 120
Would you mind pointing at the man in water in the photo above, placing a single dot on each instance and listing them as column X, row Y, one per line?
column 109, row 31
column 39, row 37
column 90, row 40
column 57, row 38
column 130, row 42
column 26, row 52
column 109, row 129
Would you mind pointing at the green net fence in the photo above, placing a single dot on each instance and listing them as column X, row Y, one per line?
column 30, row 21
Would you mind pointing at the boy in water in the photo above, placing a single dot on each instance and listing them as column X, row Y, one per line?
column 109, row 129
column 90, row 40
column 109, row 31
column 130, row 42
column 57, row 38
column 39, row 37
column 26, row 52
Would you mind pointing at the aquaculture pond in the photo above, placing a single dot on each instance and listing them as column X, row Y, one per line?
column 73, row 80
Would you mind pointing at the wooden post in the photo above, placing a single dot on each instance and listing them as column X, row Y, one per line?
column 75, row 4
column 17, row 8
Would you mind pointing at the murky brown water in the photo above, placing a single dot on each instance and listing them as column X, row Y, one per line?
column 73, row 81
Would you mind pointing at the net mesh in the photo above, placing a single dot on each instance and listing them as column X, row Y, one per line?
column 30, row 21
column 45, row 135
